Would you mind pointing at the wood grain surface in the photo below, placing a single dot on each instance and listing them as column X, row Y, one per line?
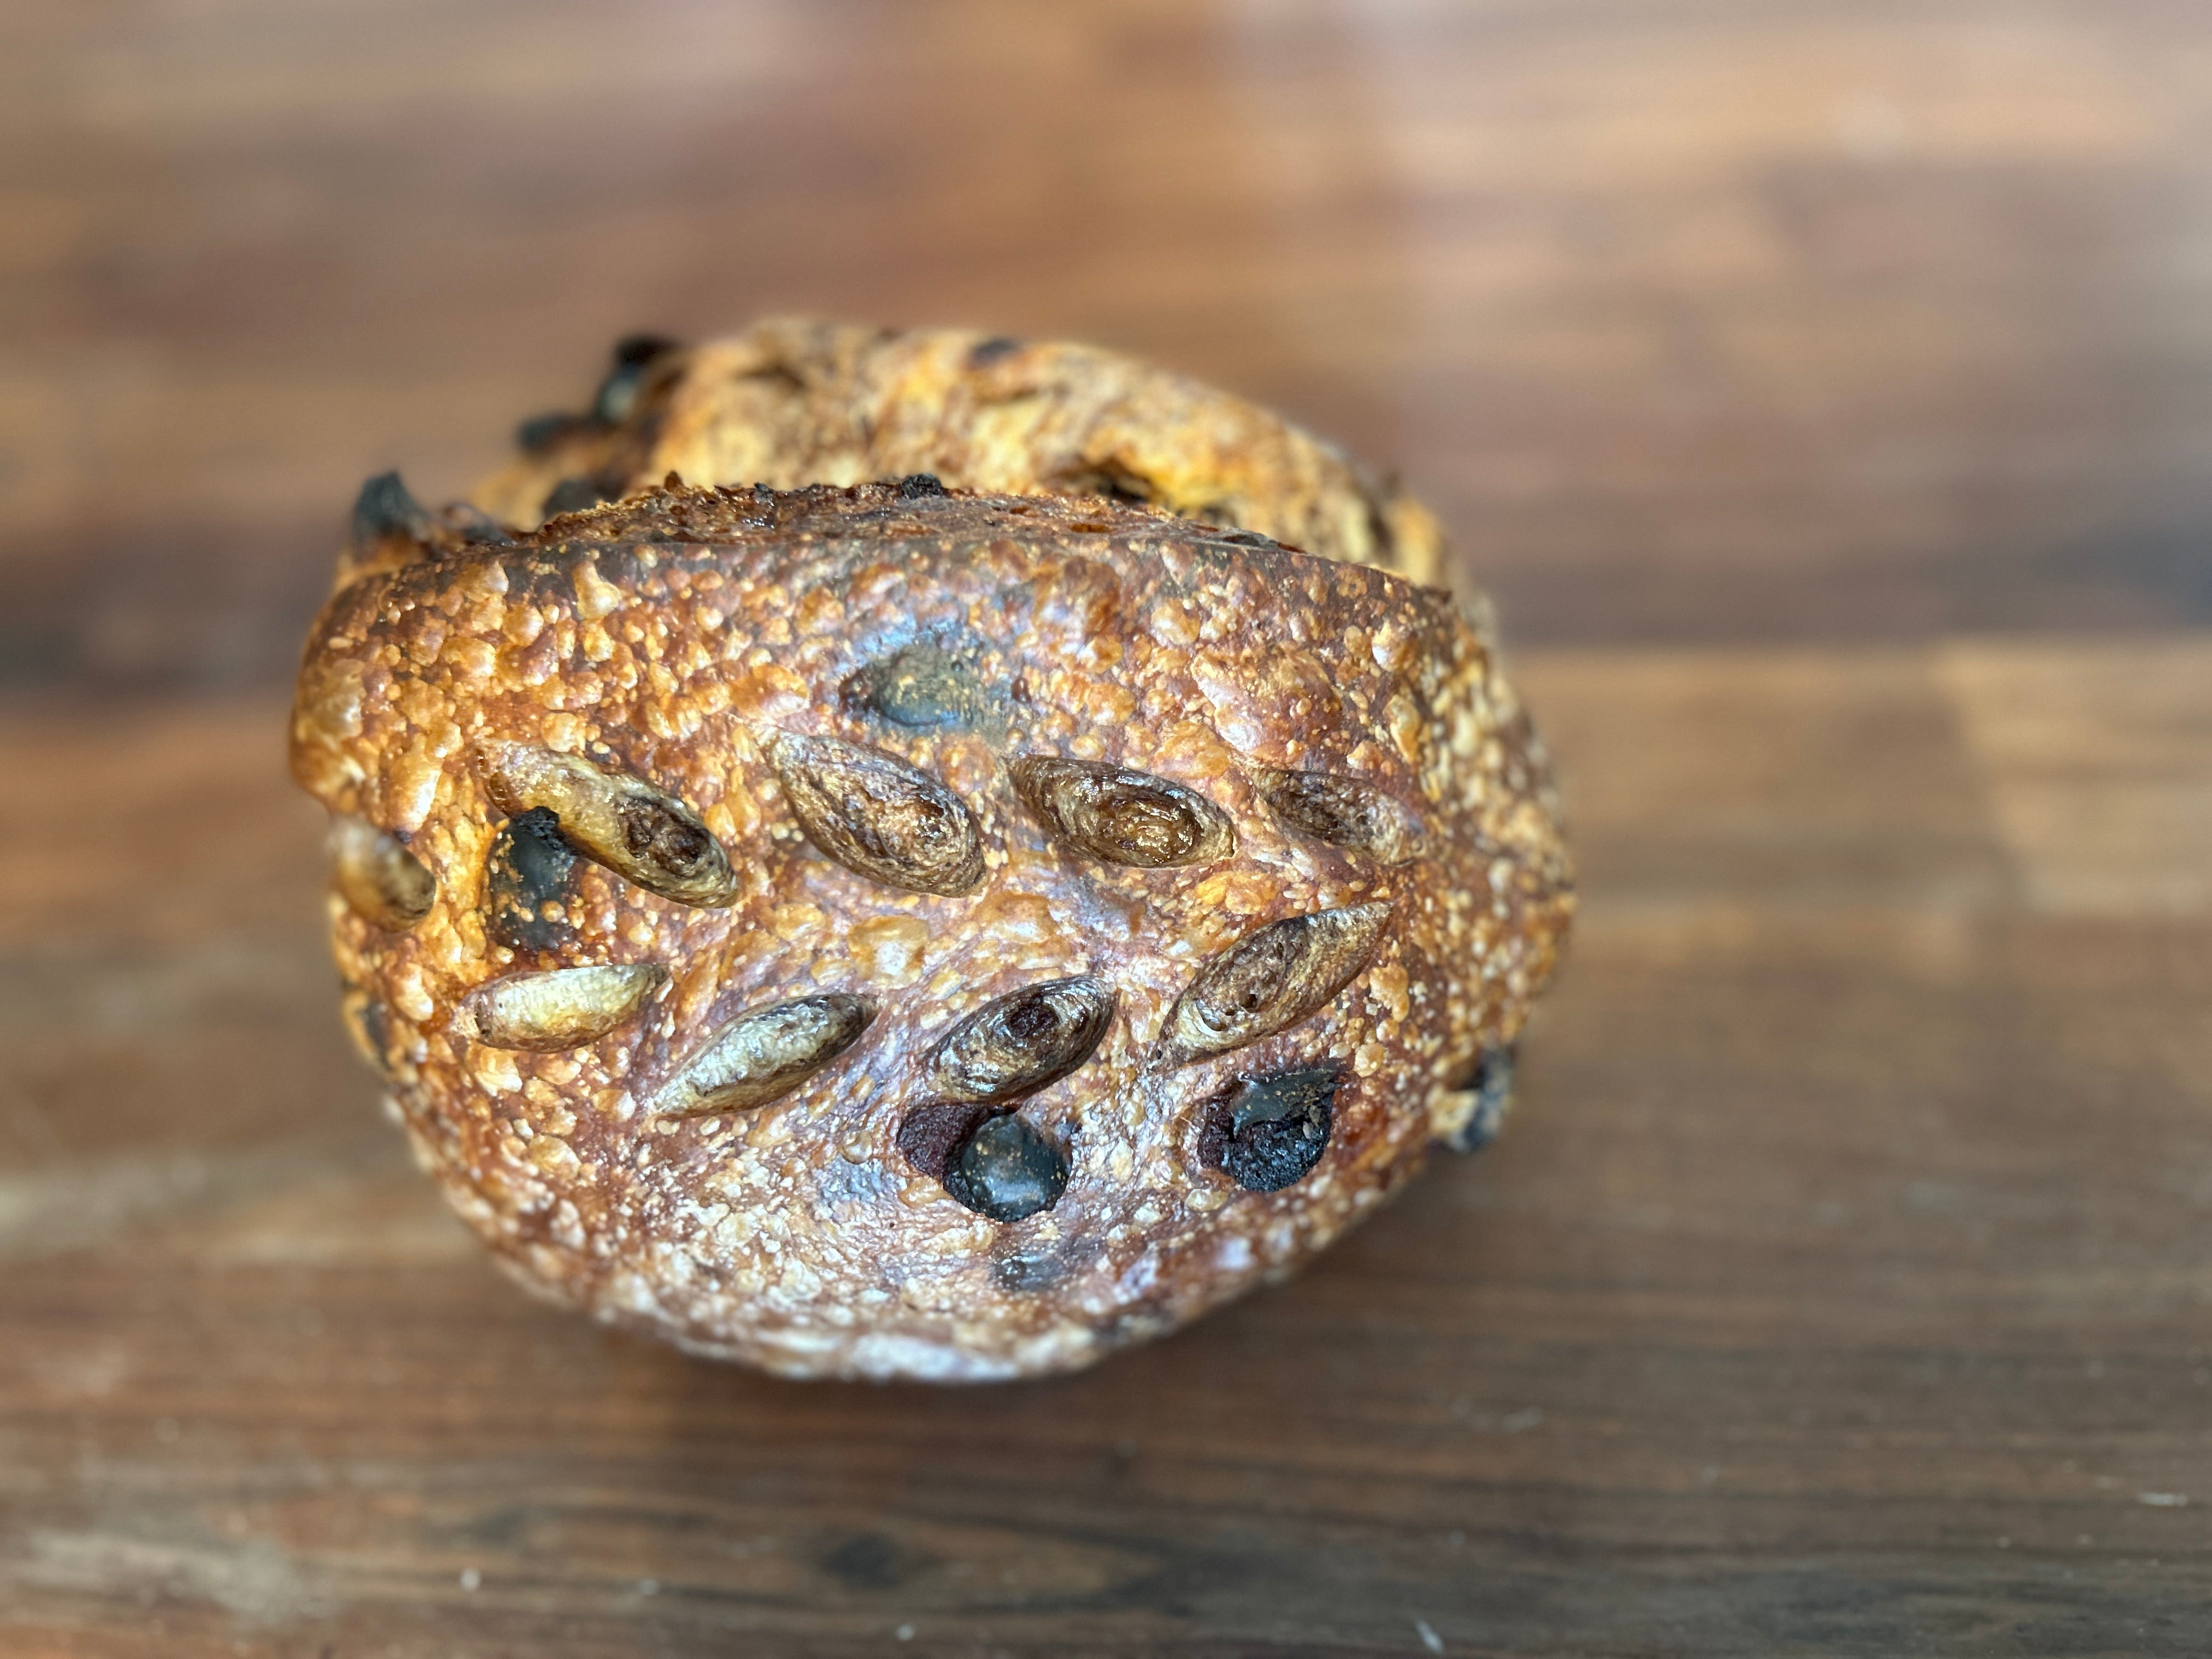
column 1826, row 391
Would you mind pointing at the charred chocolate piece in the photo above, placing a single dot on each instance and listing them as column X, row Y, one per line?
column 1268, row 1132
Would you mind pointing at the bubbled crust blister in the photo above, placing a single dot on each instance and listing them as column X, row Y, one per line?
column 792, row 401
column 682, row 641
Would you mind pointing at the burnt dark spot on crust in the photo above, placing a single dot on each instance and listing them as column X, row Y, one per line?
column 1020, row 1043
column 573, row 496
column 933, row 1132
column 984, row 353
column 919, row 686
column 385, row 506
column 1121, row 815
column 1489, row 1081
column 1266, row 1132
column 529, row 883
column 1007, row 1172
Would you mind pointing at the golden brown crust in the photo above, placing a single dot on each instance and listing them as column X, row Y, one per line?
column 791, row 403
column 685, row 638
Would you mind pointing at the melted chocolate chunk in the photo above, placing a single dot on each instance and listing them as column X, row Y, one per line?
column 932, row 1133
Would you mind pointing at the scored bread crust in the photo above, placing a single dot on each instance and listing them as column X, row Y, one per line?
column 725, row 650
column 792, row 401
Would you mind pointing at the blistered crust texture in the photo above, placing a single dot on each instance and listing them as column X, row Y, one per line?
column 791, row 403
column 650, row 667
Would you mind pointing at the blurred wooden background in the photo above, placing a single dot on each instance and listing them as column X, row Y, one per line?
column 1823, row 388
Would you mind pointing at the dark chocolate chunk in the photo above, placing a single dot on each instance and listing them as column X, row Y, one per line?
column 984, row 353
column 385, row 506
column 1007, row 1172
column 529, row 882
column 1268, row 1132
column 1490, row 1080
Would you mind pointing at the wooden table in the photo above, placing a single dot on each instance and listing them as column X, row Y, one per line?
column 1826, row 391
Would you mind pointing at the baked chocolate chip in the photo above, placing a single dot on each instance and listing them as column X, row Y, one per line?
column 984, row 353
column 385, row 506
column 917, row 485
column 1489, row 1081
column 1268, row 1132
column 1007, row 1172
column 529, row 882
